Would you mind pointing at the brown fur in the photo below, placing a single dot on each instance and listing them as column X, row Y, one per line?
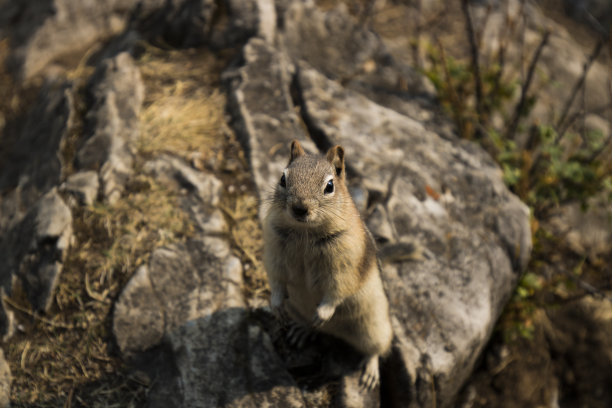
column 321, row 260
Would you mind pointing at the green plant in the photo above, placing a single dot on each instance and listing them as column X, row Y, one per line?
column 547, row 165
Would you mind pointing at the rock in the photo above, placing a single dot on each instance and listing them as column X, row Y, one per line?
column 83, row 186
column 351, row 394
column 201, row 191
column 565, row 362
column 562, row 59
column 183, row 23
column 587, row 232
column 178, row 174
column 43, row 31
column 253, row 375
column 341, row 48
column 32, row 160
column 179, row 284
column 138, row 322
column 188, row 303
column 5, row 382
column 595, row 14
column 451, row 198
column 262, row 110
column 36, row 248
column 246, row 19
column 445, row 193
column 116, row 92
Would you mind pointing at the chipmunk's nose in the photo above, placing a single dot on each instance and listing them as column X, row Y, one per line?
column 300, row 211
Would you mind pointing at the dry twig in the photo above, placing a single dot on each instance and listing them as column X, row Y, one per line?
column 475, row 59
column 563, row 124
column 520, row 107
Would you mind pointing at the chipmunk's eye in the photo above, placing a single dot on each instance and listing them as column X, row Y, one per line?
column 329, row 188
column 283, row 182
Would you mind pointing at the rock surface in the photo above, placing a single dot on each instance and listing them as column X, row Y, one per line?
column 453, row 200
column 32, row 159
column 188, row 299
column 182, row 318
column 36, row 248
column 116, row 91
column 446, row 193
column 35, row 224
column 346, row 51
column 83, row 186
column 44, row 31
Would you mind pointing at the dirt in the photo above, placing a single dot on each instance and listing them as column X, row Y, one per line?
column 566, row 363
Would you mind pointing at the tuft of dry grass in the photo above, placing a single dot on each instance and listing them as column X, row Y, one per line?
column 247, row 239
column 183, row 107
column 66, row 357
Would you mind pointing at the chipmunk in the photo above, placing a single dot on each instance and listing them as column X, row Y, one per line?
column 321, row 259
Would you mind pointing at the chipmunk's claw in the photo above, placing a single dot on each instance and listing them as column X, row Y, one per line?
column 298, row 334
column 370, row 376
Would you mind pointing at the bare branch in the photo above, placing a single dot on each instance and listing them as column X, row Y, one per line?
column 457, row 107
column 475, row 58
column 520, row 107
column 563, row 124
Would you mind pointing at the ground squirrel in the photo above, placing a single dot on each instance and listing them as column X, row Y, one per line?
column 321, row 259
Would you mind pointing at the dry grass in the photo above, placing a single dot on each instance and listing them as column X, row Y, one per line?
column 183, row 107
column 67, row 357
column 247, row 239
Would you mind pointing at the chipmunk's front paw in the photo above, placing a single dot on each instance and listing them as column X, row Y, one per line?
column 370, row 376
column 323, row 314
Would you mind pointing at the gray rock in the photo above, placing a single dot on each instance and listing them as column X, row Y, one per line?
column 179, row 175
column 32, row 160
column 246, row 19
column 36, row 248
column 5, row 382
column 199, row 192
column 451, row 197
column 83, row 186
column 252, row 375
column 138, row 322
column 182, row 23
column 580, row 337
column 42, row 31
column 179, row 284
column 562, row 60
column 117, row 93
column 343, row 49
column 262, row 110
column 188, row 301
column 446, row 194
column 587, row 232
column 595, row 14
column 351, row 395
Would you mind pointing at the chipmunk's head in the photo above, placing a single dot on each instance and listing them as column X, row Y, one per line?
column 312, row 190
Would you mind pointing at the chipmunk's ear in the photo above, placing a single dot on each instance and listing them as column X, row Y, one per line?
column 296, row 151
column 335, row 156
